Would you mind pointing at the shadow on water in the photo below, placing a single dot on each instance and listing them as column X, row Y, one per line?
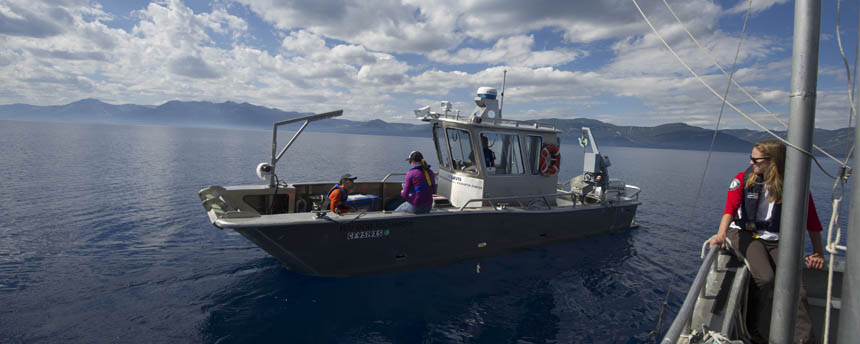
column 521, row 296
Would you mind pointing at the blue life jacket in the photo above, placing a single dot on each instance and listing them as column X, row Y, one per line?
column 426, row 176
column 343, row 197
column 749, row 209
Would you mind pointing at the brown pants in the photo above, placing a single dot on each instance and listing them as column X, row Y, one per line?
column 761, row 258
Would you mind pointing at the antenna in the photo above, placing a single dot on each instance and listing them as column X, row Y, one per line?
column 502, row 105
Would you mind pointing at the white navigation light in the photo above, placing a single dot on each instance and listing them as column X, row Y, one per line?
column 264, row 170
column 422, row 112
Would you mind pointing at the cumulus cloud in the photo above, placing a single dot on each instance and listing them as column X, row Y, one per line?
column 514, row 51
column 19, row 21
column 303, row 42
column 755, row 6
column 384, row 25
column 193, row 67
column 412, row 26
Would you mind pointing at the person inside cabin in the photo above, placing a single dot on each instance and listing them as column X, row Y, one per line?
column 489, row 155
column 338, row 194
column 750, row 224
column 419, row 187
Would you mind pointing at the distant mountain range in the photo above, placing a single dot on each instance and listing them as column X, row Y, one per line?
column 248, row 116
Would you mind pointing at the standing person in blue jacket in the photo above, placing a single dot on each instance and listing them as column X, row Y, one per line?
column 419, row 187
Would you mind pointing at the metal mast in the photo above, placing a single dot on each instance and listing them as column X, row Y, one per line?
column 849, row 317
column 804, row 76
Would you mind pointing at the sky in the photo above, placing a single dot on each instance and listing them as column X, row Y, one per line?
column 380, row 59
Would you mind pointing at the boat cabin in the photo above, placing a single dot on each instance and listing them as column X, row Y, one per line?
column 484, row 156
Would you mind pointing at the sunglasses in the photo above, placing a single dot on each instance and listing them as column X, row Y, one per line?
column 757, row 160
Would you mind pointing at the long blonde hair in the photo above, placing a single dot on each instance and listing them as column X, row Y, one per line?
column 774, row 150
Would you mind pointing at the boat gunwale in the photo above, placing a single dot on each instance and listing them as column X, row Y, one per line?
column 310, row 218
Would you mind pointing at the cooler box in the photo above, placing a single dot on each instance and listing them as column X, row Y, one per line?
column 363, row 202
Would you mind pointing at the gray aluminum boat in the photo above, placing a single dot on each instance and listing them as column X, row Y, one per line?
column 484, row 207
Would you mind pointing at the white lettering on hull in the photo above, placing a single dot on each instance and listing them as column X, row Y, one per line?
column 367, row 234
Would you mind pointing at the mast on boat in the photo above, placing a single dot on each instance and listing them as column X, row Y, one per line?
column 804, row 77
column 849, row 319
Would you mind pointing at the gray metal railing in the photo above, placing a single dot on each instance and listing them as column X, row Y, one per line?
column 500, row 122
column 636, row 191
column 686, row 311
column 391, row 175
column 519, row 199
column 635, row 195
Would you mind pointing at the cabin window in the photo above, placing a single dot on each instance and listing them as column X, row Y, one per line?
column 462, row 157
column 501, row 153
column 441, row 146
column 533, row 146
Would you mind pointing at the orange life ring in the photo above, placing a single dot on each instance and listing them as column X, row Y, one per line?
column 550, row 159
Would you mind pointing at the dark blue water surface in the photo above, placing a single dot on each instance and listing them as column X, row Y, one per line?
column 103, row 239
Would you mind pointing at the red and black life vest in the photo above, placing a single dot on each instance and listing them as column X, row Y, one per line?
column 749, row 209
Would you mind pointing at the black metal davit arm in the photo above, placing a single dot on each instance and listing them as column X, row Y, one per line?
column 308, row 120
column 686, row 311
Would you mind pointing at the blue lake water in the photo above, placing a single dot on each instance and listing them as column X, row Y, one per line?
column 103, row 239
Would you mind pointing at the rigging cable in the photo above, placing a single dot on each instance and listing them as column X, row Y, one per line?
column 845, row 61
column 739, row 111
column 852, row 81
column 656, row 330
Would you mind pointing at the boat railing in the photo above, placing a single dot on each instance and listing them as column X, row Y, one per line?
column 500, row 121
column 634, row 195
column 636, row 191
column 499, row 203
column 686, row 312
column 391, row 175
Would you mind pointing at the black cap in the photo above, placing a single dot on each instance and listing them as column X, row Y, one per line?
column 347, row 176
column 415, row 156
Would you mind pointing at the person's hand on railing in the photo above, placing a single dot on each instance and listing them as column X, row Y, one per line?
column 815, row 261
column 710, row 243
column 718, row 240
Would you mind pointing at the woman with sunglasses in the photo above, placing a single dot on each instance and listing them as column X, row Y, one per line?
column 750, row 221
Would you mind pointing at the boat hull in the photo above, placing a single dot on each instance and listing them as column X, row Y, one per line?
column 387, row 242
